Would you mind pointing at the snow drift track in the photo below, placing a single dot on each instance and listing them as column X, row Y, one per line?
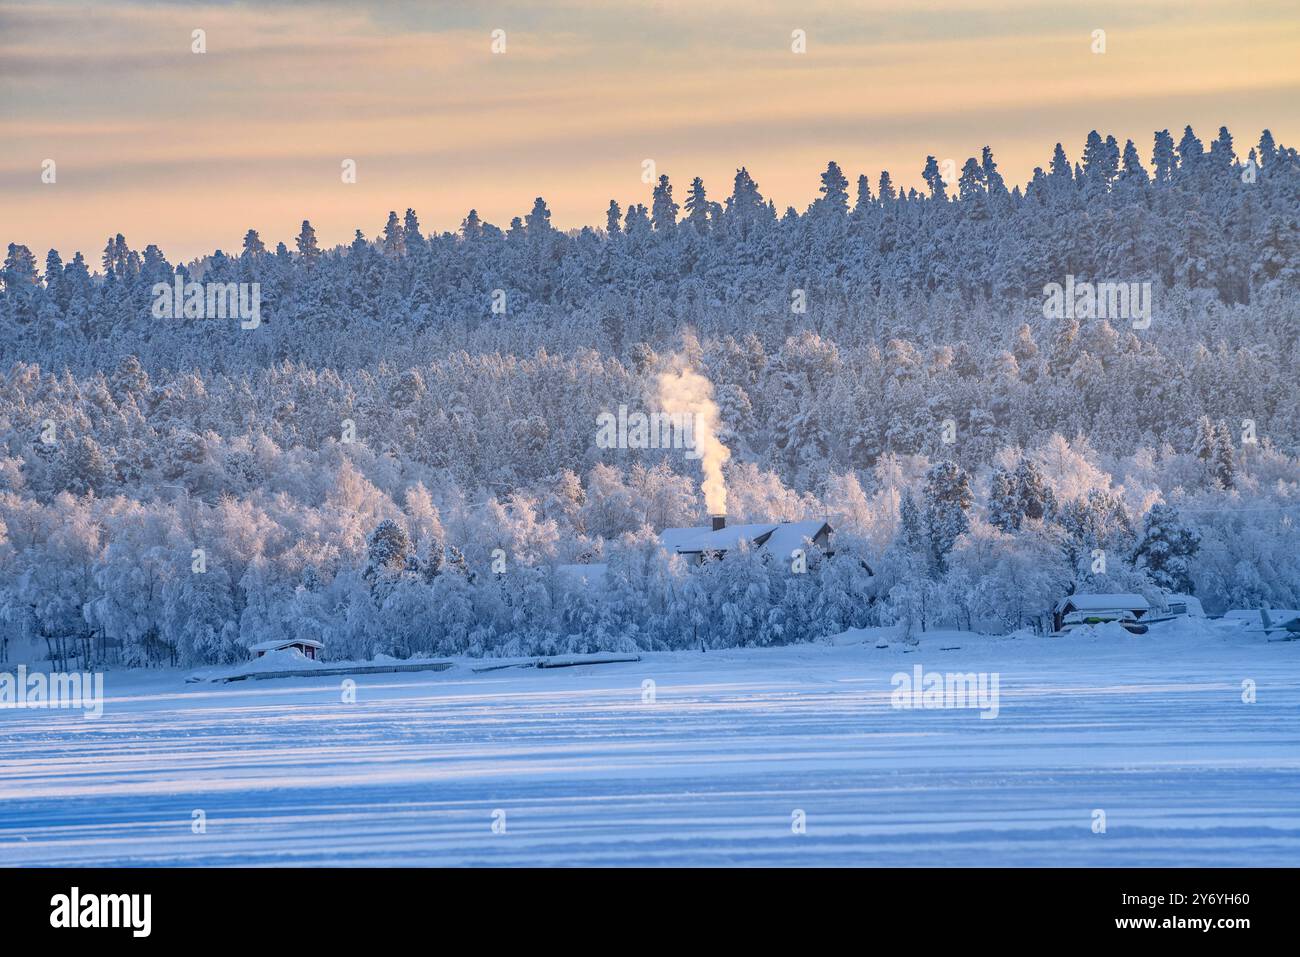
column 336, row 672
column 708, row 770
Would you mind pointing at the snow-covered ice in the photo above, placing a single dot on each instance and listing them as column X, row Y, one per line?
column 1152, row 730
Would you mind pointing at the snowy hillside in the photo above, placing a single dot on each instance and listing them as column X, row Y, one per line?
column 993, row 396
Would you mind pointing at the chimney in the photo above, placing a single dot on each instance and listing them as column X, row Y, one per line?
column 719, row 522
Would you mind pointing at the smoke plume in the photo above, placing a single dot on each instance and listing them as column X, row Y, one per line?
column 683, row 390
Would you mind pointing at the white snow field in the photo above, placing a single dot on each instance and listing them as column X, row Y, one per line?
column 1152, row 730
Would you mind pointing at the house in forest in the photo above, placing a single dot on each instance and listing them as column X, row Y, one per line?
column 778, row 539
column 307, row 647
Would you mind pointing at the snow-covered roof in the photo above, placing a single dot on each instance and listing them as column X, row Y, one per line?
column 1104, row 603
column 788, row 536
column 706, row 539
column 1190, row 602
column 780, row 538
column 279, row 643
column 681, row 539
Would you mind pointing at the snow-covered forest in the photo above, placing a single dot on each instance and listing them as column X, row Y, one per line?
column 175, row 490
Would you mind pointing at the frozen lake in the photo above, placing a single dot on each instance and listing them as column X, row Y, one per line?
column 1151, row 730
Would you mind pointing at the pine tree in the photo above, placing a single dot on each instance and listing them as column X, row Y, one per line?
column 1163, row 158
column 663, row 209
column 538, row 222
column 997, row 187
column 1134, row 173
column 1166, row 548
column 394, row 237
column 1110, row 160
column 411, row 235
column 970, row 185
column 54, row 276
column 834, row 190
column 745, row 204
column 697, row 205
column 1222, row 155
column 864, row 195
column 1065, row 348
column 948, row 499
column 1224, row 456
column 637, row 220
column 911, row 530
column 1094, row 159
column 1203, row 445
column 253, row 245
column 1267, row 149
column 885, row 188
column 386, row 551
column 306, row 242
column 84, row 468
column 360, row 249
column 1061, row 172
column 1003, row 503
column 1190, row 152
column 934, row 180
column 1034, row 498
column 19, row 268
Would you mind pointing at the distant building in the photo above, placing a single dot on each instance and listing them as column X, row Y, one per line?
column 778, row 539
column 1183, row 606
column 1088, row 609
column 306, row 646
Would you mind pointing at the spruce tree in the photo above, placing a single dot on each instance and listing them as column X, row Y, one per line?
column 1166, row 547
column 697, row 205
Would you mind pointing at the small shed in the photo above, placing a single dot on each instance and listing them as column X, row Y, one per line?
column 307, row 647
column 1090, row 609
column 1183, row 606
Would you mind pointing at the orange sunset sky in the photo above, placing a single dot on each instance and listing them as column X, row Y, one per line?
column 189, row 150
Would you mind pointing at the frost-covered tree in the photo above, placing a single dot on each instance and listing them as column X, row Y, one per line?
column 306, row 242
column 1166, row 547
column 697, row 204
column 948, row 499
column 934, row 180
column 663, row 211
column 384, row 385
column 386, row 551
column 1004, row 503
column 834, row 190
